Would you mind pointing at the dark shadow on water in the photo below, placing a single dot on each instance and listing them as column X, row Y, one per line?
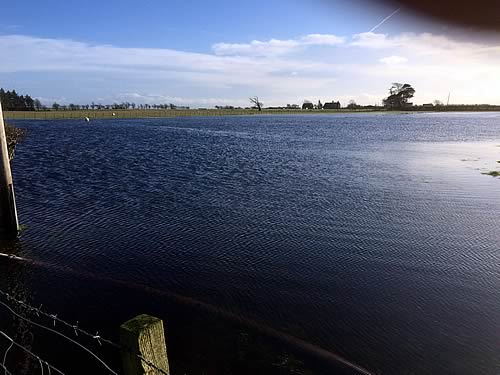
column 201, row 339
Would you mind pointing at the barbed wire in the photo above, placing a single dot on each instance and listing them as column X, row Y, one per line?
column 5, row 369
column 39, row 312
column 7, row 352
column 40, row 360
column 11, row 256
column 75, row 328
column 62, row 335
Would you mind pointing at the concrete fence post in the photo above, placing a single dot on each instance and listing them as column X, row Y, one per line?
column 143, row 336
column 9, row 225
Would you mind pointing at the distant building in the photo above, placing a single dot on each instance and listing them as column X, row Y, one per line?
column 307, row 105
column 293, row 106
column 428, row 105
column 332, row 105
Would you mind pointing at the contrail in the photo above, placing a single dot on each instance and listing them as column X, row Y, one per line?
column 384, row 20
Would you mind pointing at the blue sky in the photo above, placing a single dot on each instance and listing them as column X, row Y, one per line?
column 201, row 53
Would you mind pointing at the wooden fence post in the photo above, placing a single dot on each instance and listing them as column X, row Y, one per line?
column 143, row 336
column 9, row 225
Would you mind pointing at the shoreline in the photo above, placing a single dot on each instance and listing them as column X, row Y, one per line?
column 153, row 113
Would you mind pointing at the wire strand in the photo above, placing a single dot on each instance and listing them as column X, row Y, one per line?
column 6, row 352
column 62, row 335
column 39, row 312
column 6, row 371
column 13, row 343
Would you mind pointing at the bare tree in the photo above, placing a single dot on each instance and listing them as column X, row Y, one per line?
column 352, row 104
column 255, row 101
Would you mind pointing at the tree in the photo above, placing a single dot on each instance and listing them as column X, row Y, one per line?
column 56, row 106
column 352, row 104
column 255, row 101
column 29, row 103
column 11, row 101
column 37, row 104
column 438, row 102
column 399, row 95
column 320, row 106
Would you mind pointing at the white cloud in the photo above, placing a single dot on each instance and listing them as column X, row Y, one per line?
column 272, row 47
column 371, row 40
column 275, row 47
column 392, row 60
column 426, row 44
column 322, row 39
column 29, row 54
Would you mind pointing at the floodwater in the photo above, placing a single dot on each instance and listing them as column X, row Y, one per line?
column 373, row 237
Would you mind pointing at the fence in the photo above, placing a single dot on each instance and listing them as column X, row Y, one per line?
column 142, row 341
column 286, row 339
column 154, row 113
column 120, row 113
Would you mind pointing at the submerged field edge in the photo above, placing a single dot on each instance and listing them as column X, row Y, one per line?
column 111, row 114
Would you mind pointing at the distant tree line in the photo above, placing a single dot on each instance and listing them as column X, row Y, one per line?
column 12, row 101
column 124, row 105
column 398, row 99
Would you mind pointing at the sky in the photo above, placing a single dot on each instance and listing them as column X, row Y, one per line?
column 207, row 53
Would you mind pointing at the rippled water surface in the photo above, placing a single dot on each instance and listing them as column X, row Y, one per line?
column 375, row 237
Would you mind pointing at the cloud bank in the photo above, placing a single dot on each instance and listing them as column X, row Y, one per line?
column 314, row 66
column 275, row 47
column 392, row 60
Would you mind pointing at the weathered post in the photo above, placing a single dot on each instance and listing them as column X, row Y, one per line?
column 9, row 226
column 143, row 336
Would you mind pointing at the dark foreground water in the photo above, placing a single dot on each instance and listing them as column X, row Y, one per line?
column 375, row 237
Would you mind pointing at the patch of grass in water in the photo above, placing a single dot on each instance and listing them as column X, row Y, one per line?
column 492, row 173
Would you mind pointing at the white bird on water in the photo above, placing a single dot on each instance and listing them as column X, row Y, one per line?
column 87, row 119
